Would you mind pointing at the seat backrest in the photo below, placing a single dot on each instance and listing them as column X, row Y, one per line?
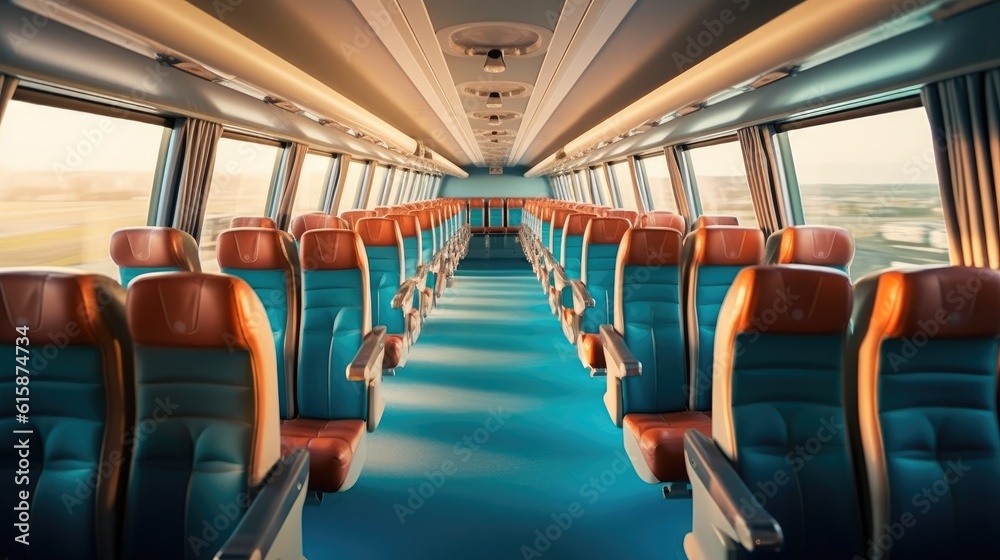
column 557, row 222
column 381, row 211
column 631, row 215
column 409, row 229
column 647, row 313
column 815, row 245
column 496, row 213
column 922, row 359
column 352, row 216
column 336, row 315
column 778, row 403
column 384, row 248
column 571, row 253
column 714, row 220
column 268, row 260
column 515, row 211
column 426, row 223
column 252, row 221
column 477, row 216
column 314, row 220
column 141, row 250
column 79, row 380
column 597, row 264
column 711, row 259
column 205, row 380
column 663, row 219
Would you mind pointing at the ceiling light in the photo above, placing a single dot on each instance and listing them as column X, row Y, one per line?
column 494, row 120
column 494, row 61
column 494, row 101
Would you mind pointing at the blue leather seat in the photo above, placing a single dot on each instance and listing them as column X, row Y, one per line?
column 814, row 245
column 79, row 408
column 515, row 214
column 141, row 250
column 600, row 252
column 340, row 360
column 392, row 295
column 477, row 215
column 207, row 464
column 922, row 362
column 556, row 224
column 571, row 252
column 496, row 216
column 663, row 219
column 712, row 257
column 268, row 260
column 776, row 478
column 409, row 229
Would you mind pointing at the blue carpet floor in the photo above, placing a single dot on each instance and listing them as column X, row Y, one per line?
column 496, row 445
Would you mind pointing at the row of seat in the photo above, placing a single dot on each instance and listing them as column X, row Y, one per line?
column 495, row 215
column 332, row 297
column 149, row 420
column 851, row 422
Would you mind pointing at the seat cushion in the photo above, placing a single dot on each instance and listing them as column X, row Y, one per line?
column 661, row 439
column 395, row 346
column 331, row 444
column 591, row 350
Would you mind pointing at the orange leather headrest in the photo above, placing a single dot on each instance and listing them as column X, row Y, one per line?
column 332, row 249
column 559, row 217
column 663, row 220
column 155, row 247
column 64, row 304
column 631, row 215
column 314, row 220
column 940, row 302
column 715, row 220
column 816, row 245
column 352, row 216
column 727, row 246
column 515, row 203
column 256, row 249
column 606, row 231
column 496, row 203
column 409, row 225
column 252, row 221
column 196, row 310
column 424, row 218
column 476, row 203
column 651, row 247
column 576, row 224
column 379, row 232
column 794, row 299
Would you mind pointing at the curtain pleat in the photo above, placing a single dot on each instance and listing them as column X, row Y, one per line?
column 964, row 113
column 763, row 177
column 7, row 86
column 199, row 141
column 288, row 181
column 684, row 207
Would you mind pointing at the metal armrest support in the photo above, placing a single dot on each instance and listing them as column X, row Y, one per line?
column 272, row 526
column 619, row 359
column 404, row 296
column 730, row 495
column 367, row 363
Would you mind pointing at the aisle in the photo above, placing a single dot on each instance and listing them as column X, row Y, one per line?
column 495, row 445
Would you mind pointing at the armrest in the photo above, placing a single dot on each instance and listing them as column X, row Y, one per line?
column 367, row 362
column 559, row 278
column 577, row 298
column 730, row 494
column 617, row 356
column 272, row 526
column 404, row 296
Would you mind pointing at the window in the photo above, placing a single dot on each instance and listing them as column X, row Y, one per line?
column 399, row 178
column 315, row 175
column 658, row 184
column 241, row 183
column 876, row 177
column 600, row 183
column 352, row 184
column 583, row 188
column 374, row 194
column 622, row 176
column 68, row 179
column 721, row 179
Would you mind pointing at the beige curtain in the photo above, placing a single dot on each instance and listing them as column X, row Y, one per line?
column 763, row 177
column 287, row 182
column 199, row 140
column 684, row 206
column 965, row 124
